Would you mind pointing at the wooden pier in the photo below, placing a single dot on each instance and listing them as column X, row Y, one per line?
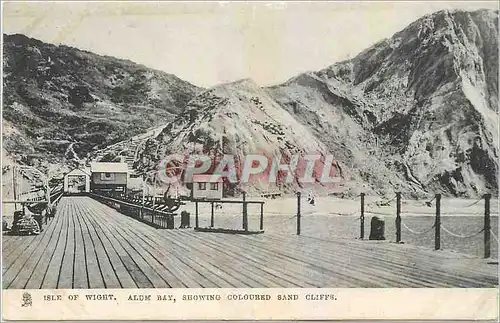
column 90, row 245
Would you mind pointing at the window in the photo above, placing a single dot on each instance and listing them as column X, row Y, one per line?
column 214, row 186
column 202, row 186
column 107, row 176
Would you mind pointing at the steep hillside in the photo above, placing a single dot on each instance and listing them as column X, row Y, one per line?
column 237, row 119
column 61, row 102
column 416, row 112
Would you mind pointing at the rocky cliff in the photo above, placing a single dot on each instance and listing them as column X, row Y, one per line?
column 416, row 112
column 60, row 103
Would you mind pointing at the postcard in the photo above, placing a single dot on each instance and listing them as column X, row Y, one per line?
column 250, row 160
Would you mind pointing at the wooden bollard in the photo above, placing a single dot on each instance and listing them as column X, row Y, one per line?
column 362, row 217
column 377, row 229
column 398, row 217
column 437, row 224
column 487, row 226
column 298, row 213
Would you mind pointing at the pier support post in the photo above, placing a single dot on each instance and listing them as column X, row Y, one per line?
column 362, row 217
column 245, row 214
column 437, row 224
column 196, row 214
column 487, row 226
column 261, row 217
column 298, row 213
column 398, row 217
column 212, row 216
column 14, row 186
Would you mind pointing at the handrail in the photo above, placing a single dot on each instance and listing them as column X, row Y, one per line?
column 131, row 204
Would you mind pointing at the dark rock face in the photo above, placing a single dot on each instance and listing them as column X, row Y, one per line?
column 57, row 95
column 419, row 110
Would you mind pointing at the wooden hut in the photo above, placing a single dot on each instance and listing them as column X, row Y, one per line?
column 108, row 177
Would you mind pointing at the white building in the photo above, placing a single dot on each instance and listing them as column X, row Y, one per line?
column 109, row 176
column 77, row 181
column 207, row 187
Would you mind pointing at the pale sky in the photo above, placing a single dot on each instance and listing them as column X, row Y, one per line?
column 211, row 43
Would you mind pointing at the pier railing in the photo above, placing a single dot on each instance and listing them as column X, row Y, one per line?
column 438, row 227
column 460, row 225
column 148, row 212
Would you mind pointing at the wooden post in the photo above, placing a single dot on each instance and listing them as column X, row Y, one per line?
column 362, row 217
column 196, row 214
column 47, row 193
column 212, row 216
column 298, row 213
column 154, row 193
column 487, row 226
column 437, row 224
column 245, row 214
column 14, row 182
column 262, row 216
column 398, row 217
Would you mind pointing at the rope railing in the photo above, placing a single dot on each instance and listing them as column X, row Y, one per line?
column 437, row 226
column 460, row 236
column 474, row 203
column 344, row 214
column 377, row 228
column 418, row 232
column 494, row 236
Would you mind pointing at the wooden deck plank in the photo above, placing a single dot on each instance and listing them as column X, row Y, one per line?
column 296, row 275
column 248, row 265
column 159, row 276
column 125, row 279
column 94, row 274
column 108, row 273
column 55, row 264
column 39, row 272
column 165, row 256
column 190, row 240
column 9, row 241
column 167, row 279
column 229, row 277
column 21, row 269
column 198, row 267
column 13, row 252
column 185, row 262
column 344, row 263
column 394, row 258
column 398, row 267
column 65, row 278
column 300, row 269
column 140, row 278
column 338, row 265
column 81, row 274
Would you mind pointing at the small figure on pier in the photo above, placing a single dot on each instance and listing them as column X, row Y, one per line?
column 311, row 199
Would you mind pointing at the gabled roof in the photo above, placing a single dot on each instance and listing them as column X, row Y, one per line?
column 109, row 167
column 78, row 172
column 207, row 178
